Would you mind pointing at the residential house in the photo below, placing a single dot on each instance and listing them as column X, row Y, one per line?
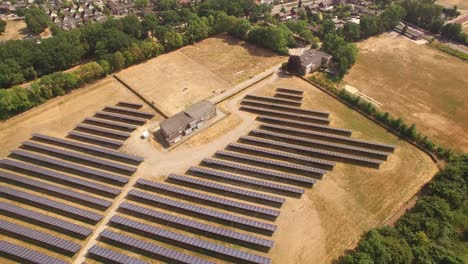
column 312, row 60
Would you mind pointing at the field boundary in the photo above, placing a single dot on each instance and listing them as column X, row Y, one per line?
column 378, row 122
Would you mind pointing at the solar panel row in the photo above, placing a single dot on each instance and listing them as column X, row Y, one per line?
column 288, row 90
column 328, row 137
column 273, row 100
column 250, row 181
column 89, row 148
column 202, row 212
column 64, row 179
column 154, row 250
column 208, row 199
column 287, row 115
column 226, row 189
column 55, row 190
column 191, row 225
column 112, row 256
column 285, row 108
column 99, row 130
column 99, row 140
column 310, row 151
column 49, row 241
column 40, row 202
column 25, row 255
column 320, row 144
column 130, row 105
column 266, row 173
column 107, row 123
column 289, row 96
column 121, row 118
column 44, row 220
column 129, row 111
column 92, row 159
column 266, row 152
column 299, row 124
column 268, row 163
column 152, row 231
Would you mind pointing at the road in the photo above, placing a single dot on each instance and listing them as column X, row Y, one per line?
column 289, row 6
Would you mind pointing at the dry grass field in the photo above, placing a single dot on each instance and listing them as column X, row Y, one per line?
column 418, row 83
column 178, row 79
column 461, row 4
column 15, row 29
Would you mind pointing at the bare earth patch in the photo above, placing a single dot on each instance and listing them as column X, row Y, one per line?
column 15, row 29
column 418, row 83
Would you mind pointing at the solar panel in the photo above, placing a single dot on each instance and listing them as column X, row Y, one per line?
column 40, row 202
column 235, row 178
column 189, row 242
column 172, row 255
column 304, row 125
column 49, row 241
column 272, row 164
column 69, row 195
column 130, row 105
column 291, row 91
column 121, row 118
column 226, row 190
column 111, row 124
column 63, row 179
column 27, row 255
column 84, row 147
column 105, row 142
column 207, row 199
column 204, row 213
column 299, row 159
column 328, row 137
column 289, row 96
column 320, row 144
column 257, row 171
column 273, row 100
column 286, row 115
column 128, row 111
column 103, row 164
column 44, row 220
column 285, row 108
column 103, row 131
column 310, row 151
column 112, row 256
column 193, row 226
column 101, row 175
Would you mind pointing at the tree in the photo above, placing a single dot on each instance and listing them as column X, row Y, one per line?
column 2, row 26
column 451, row 31
column 327, row 26
column 170, row 17
column 369, row 25
column 117, row 61
column 149, row 24
column 391, row 16
column 172, row 40
column 131, row 26
column 90, row 72
column 164, row 5
column 36, row 20
column 276, row 38
column 294, row 64
column 241, row 28
column 351, row 31
column 140, row 4
column 343, row 53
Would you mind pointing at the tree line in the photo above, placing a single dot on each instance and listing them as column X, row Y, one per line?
column 2, row 26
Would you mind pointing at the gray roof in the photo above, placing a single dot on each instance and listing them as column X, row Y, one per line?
column 180, row 120
column 200, row 109
column 312, row 56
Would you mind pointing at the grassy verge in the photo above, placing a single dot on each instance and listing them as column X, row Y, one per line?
column 447, row 49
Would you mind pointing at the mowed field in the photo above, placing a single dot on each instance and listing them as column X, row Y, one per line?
column 15, row 29
column 418, row 83
column 178, row 79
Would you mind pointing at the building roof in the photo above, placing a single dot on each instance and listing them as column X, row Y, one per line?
column 180, row 120
column 200, row 109
column 313, row 55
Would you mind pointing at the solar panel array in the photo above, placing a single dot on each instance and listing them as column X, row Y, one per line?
column 107, row 123
column 114, row 257
column 41, row 202
column 191, row 225
column 64, row 179
column 121, row 118
column 99, row 130
column 250, row 181
column 136, row 244
column 285, row 108
column 90, row 148
column 129, row 111
column 305, row 125
column 130, row 105
column 47, row 240
column 102, row 162
column 288, row 96
column 286, row 115
column 27, row 255
column 291, row 91
column 44, row 220
column 211, row 200
column 320, row 144
column 266, row 152
column 55, row 190
column 273, row 100
column 263, row 172
column 203, row 212
column 226, row 189
column 189, row 241
column 102, row 141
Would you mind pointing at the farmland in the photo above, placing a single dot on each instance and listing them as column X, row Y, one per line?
column 420, row 84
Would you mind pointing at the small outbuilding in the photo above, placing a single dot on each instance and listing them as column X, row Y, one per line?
column 185, row 122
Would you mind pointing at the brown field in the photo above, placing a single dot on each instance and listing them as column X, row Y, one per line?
column 178, row 79
column 15, row 29
column 461, row 4
column 420, row 84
